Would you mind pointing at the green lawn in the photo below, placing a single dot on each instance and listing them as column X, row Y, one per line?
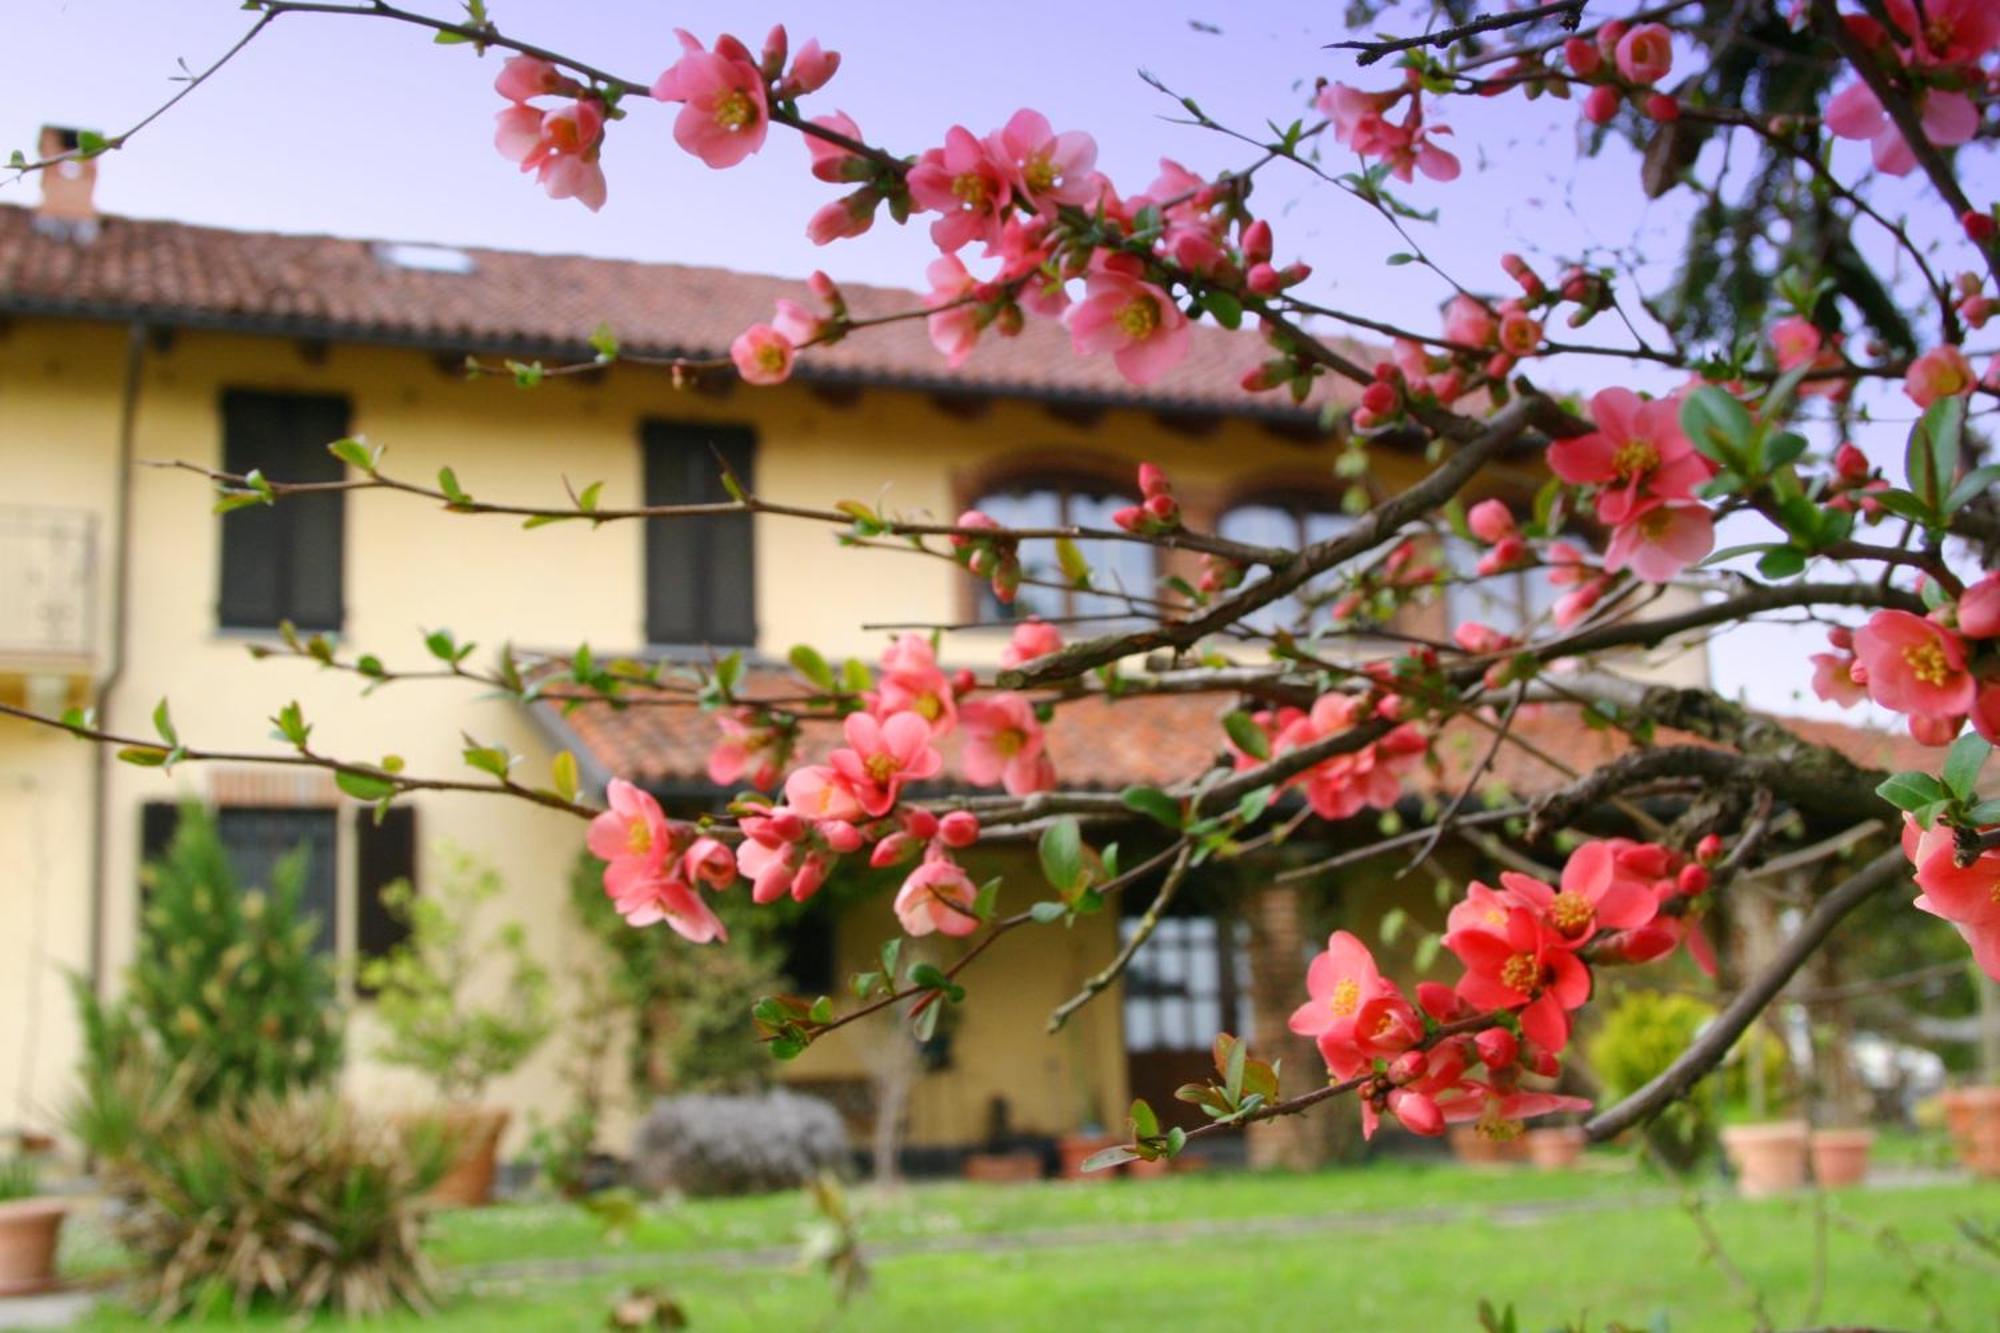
column 1620, row 1252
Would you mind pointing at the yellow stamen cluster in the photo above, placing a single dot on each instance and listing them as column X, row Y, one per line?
column 734, row 110
column 1570, row 912
column 1928, row 662
column 1521, row 973
column 1139, row 318
column 1346, row 997
column 1040, row 175
column 1634, row 458
column 638, row 836
column 972, row 191
column 881, row 767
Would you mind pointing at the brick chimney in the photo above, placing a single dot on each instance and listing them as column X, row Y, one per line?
column 69, row 188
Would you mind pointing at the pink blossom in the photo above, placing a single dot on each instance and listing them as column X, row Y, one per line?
column 1966, row 896
column 1833, row 679
column 1914, row 665
column 1526, row 967
column 1050, row 169
column 881, row 756
column 1142, row 328
column 848, row 216
column 965, row 182
column 523, row 78
column 1948, row 32
column 937, row 896
column 724, row 114
column 1004, row 745
column 1942, row 372
column 1597, row 893
column 559, row 146
column 1638, row 449
column 818, row 792
column 632, row 838
column 1468, row 322
column 1032, row 638
column 1855, row 113
column 1661, row 538
column 659, row 897
column 745, row 747
column 1646, row 53
column 709, row 861
column 762, row 355
column 913, row 682
column 954, row 321
column 812, row 68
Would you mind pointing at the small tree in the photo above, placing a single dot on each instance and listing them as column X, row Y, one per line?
column 227, row 980
column 422, row 985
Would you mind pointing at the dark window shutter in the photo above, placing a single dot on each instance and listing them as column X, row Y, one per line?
column 386, row 852
column 283, row 561
column 157, row 822
column 700, row 572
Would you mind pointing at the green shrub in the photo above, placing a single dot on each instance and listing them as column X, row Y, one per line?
column 226, row 977
column 686, row 1006
column 1645, row 1032
column 18, row 1178
column 421, row 985
column 282, row 1199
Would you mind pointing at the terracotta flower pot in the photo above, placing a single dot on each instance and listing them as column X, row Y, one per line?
column 1840, row 1156
column 1769, row 1159
column 1555, row 1149
column 1468, row 1145
column 1141, row 1169
column 473, row 1133
column 1973, row 1117
column 29, row 1230
column 1076, row 1149
column 1007, row 1167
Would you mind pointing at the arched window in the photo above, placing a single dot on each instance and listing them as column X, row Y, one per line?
column 1292, row 522
column 1062, row 500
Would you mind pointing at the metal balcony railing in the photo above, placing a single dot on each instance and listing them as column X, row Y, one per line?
column 48, row 585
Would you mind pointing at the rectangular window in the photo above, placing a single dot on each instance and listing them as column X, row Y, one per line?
column 256, row 838
column 700, row 572
column 283, row 561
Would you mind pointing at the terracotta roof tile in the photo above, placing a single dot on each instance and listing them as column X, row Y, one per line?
column 531, row 304
column 1160, row 740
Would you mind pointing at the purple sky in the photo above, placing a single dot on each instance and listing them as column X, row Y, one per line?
column 364, row 127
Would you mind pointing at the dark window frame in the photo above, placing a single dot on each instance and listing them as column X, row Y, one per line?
column 259, row 578
column 1067, row 485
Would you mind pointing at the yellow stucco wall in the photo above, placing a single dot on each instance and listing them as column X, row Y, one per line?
column 411, row 568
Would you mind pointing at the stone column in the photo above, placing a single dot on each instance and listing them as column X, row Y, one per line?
column 1279, row 946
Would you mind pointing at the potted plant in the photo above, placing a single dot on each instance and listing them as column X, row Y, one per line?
column 1973, row 1117
column 1076, row 1147
column 1840, row 1156
column 30, row 1225
column 423, row 1002
column 1555, row 1147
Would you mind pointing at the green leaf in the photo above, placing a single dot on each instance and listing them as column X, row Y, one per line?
column 1932, row 457
column 1971, row 486
column 354, row 453
column 1154, row 804
column 562, row 772
column 164, row 724
column 1061, row 852
column 448, row 483
column 1911, row 790
column 144, row 756
column 604, row 342
column 806, row 660
column 1108, row 1157
column 1047, row 912
column 1070, row 559
column 729, row 672
column 587, row 501
column 1144, row 1121
column 1986, row 812
column 1781, row 562
column 1731, row 552
column 1963, row 762
column 1247, row 735
column 364, row 786
column 1228, row 311
column 1717, row 425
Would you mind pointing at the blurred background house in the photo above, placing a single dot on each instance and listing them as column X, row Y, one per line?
column 126, row 341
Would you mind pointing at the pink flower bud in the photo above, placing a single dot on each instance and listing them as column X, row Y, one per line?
column 708, row 861
column 1131, row 518
column 1709, row 850
column 811, row 875
column 840, row 836
column 1646, row 53
column 1850, row 462
column 1416, row 1112
column 776, row 46
column 1601, row 105
column 1380, row 398
column 1979, row 609
column 963, row 681
column 1263, row 280
column 1582, row 56
column 1152, row 481
column 1498, row 1048
column 1256, row 242
column 1609, row 36
column 1491, row 521
column 1662, row 107
column 893, row 850
column 1522, row 272
column 1693, row 880
column 1408, row 1067
column 1979, row 227
column 1163, row 509
column 1841, row 637
column 783, row 826
column 959, row 829
column 812, row 69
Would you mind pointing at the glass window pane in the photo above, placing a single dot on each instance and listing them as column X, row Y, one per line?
column 1126, row 566
column 1025, row 506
